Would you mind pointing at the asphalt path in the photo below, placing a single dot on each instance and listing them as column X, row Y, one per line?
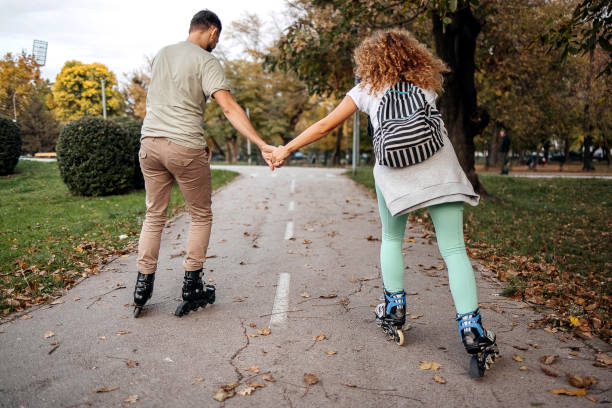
column 296, row 252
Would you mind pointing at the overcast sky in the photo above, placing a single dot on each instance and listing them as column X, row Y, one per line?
column 117, row 33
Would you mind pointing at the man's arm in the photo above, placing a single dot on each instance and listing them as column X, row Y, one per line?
column 237, row 117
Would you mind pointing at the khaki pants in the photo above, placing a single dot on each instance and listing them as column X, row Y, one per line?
column 162, row 162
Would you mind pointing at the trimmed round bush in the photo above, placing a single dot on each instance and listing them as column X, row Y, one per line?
column 10, row 146
column 133, row 128
column 94, row 157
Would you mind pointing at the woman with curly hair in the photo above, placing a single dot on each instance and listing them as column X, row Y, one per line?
column 389, row 62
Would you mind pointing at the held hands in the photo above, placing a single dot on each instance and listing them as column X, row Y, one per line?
column 274, row 156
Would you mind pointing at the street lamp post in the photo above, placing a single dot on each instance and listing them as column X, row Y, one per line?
column 14, row 107
column 356, row 136
column 103, row 99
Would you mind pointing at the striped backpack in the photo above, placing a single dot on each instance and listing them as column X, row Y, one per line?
column 410, row 129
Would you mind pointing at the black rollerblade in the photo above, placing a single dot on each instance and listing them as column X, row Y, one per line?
column 391, row 315
column 143, row 291
column 195, row 294
column 478, row 342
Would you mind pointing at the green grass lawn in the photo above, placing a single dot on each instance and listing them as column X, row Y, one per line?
column 49, row 238
column 550, row 239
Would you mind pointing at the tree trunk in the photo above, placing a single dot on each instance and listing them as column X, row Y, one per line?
column 232, row 145
column 493, row 153
column 456, row 45
column 587, row 157
column 337, row 152
column 218, row 146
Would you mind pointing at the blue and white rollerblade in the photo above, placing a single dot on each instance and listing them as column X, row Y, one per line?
column 478, row 342
column 391, row 315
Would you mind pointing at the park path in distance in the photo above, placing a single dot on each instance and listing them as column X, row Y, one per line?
column 295, row 250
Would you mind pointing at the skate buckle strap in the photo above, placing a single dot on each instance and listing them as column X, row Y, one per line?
column 395, row 299
column 470, row 320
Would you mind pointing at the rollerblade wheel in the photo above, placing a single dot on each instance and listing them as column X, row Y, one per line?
column 137, row 311
column 399, row 338
column 476, row 368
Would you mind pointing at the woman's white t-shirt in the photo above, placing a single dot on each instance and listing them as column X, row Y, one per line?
column 437, row 180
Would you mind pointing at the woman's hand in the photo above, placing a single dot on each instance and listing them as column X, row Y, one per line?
column 278, row 156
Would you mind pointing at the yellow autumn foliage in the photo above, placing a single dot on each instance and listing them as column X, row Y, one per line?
column 77, row 91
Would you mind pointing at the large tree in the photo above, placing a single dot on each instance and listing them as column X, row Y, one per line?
column 39, row 127
column 18, row 77
column 77, row 91
column 318, row 47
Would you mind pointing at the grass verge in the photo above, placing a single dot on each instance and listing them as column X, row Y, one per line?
column 549, row 240
column 50, row 238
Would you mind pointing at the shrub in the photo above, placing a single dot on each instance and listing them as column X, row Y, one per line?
column 133, row 128
column 93, row 157
column 10, row 146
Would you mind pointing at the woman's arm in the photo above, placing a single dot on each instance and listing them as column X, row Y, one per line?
column 317, row 130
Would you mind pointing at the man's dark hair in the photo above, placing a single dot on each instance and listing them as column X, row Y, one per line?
column 203, row 20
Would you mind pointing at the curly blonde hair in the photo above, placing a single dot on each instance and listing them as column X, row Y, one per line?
column 386, row 57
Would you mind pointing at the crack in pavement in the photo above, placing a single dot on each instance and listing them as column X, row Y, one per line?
column 240, row 350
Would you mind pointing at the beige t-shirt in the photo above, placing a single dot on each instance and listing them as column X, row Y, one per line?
column 184, row 76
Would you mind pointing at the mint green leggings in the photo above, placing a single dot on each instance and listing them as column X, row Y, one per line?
column 448, row 223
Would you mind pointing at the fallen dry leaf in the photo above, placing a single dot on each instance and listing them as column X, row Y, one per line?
column 198, row 379
column 76, row 299
column 522, row 348
column 264, row 332
column 310, row 379
column 224, row 392
column 579, row 381
column 320, row 337
column 604, row 358
column 239, row 300
column 306, row 242
column 256, row 384
column 26, row 317
column 131, row 399
column 548, row 372
column 577, row 392
column 121, row 332
column 252, row 325
column 349, row 384
column 439, row 379
column 331, row 353
column 304, row 295
column 131, row 363
column 548, row 360
column 417, row 316
column 268, row 377
column 330, row 296
column 254, row 369
column 246, row 391
column 590, row 398
column 523, row 368
column 518, row 358
column 429, row 365
column 57, row 302
column 49, row 334
column 371, row 238
column 105, row 389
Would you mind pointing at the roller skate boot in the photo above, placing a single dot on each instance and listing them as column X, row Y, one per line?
column 478, row 342
column 195, row 293
column 391, row 315
column 143, row 291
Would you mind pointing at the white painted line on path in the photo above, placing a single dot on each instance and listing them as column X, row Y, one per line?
column 292, row 188
column 330, row 175
column 292, row 206
column 274, row 174
column 281, row 301
column 289, row 230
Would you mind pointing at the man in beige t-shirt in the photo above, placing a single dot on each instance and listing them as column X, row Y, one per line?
column 173, row 147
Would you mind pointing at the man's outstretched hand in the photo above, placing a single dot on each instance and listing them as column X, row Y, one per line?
column 266, row 152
